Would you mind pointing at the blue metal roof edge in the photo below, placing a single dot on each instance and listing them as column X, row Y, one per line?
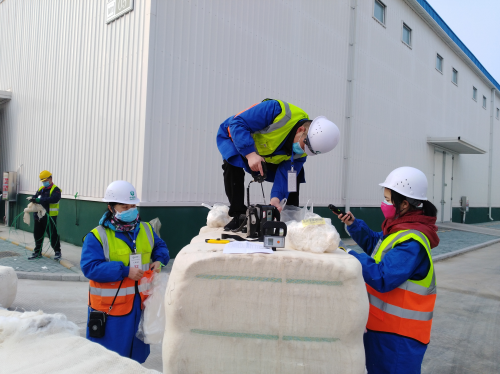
column 424, row 4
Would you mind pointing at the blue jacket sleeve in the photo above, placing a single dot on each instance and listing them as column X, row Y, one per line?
column 363, row 236
column 94, row 265
column 254, row 119
column 280, row 185
column 407, row 260
column 160, row 250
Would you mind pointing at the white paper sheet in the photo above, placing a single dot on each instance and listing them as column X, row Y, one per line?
column 245, row 248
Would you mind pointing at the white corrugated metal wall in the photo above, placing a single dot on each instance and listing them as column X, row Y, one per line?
column 78, row 102
column 401, row 99
column 213, row 59
column 104, row 102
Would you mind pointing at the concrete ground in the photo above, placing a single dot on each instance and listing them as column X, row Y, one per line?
column 466, row 328
column 465, row 332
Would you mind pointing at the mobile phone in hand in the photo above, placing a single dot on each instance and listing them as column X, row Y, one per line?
column 335, row 210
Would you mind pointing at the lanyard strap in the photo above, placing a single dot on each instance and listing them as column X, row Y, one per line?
column 292, row 159
column 113, row 303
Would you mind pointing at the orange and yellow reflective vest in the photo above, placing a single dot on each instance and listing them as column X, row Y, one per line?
column 408, row 309
column 101, row 295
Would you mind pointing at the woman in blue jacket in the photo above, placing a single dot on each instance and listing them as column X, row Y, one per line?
column 399, row 274
column 116, row 256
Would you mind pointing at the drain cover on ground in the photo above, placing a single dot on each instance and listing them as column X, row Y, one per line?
column 8, row 254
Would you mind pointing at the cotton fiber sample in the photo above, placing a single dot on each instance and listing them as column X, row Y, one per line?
column 313, row 234
column 34, row 342
column 286, row 312
column 8, row 286
column 218, row 215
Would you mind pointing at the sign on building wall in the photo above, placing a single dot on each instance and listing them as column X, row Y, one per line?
column 117, row 8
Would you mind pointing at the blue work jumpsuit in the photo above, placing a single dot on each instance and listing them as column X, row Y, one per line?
column 386, row 352
column 120, row 331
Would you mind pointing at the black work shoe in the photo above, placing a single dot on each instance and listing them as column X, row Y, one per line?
column 233, row 225
column 57, row 255
column 35, row 255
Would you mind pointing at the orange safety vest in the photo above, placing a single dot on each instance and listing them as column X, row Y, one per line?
column 408, row 309
column 101, row 295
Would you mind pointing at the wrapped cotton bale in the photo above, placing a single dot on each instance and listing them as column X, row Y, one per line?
column 313, row 234
column 8, row 286
column 218, row 215
column 34, row 342
column 286, row 312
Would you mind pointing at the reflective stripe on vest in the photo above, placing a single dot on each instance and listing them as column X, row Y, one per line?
column 101, row 295
column 53, row 208
column 270, row 138
column 408, row 309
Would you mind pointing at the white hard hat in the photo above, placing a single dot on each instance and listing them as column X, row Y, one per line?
column 322, row 137
column 407, row 181
column 121, row 192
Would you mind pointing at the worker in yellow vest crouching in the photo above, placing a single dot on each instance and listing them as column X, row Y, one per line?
column 118, row 257
column 399, row 274
column 48, row 195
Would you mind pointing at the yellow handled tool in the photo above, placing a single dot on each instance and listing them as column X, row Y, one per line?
column 217, row 241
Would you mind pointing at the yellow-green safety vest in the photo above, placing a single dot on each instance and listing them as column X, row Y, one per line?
column 401, row 236
column 268, row 139
column 116, row 249
column 53, row 208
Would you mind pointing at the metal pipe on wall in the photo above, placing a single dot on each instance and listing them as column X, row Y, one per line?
column 451, row 191
column 346, row 185
column 490, row 166
column 442, row 187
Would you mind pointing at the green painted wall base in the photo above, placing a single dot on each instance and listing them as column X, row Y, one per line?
column 475, row 215
column 181, row 224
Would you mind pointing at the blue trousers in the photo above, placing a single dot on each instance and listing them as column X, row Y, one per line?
column 392, row 354
column 120, row 334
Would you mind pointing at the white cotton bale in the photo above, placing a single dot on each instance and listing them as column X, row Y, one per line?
column 8, row 286
column 286, row 312
column 34, row 342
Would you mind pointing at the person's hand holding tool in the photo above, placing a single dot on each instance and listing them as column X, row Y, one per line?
column 135, row 274
column 347, row 218
column 255, row 162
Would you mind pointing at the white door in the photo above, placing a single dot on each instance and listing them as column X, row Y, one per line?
column 442, row 185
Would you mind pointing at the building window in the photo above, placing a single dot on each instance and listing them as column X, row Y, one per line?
column 439, row 63
column 406, row 34
column 379, row 11
column 484, row 102
column 498, row 113
column 454, row 76
column 474, row 93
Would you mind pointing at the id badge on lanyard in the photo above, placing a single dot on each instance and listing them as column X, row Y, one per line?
column 135, row 258
column 292, row 179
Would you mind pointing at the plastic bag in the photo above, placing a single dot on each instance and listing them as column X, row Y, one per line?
column 294, row 213
column 156, row 225
column 152, row 325
column 218, row 215
column 313, row 234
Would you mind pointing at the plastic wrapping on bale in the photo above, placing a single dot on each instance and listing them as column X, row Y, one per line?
column 313, row 234
column 29, row 341
column 152, row 324
column 8, row 286
column 218, row 215
column 287, row 312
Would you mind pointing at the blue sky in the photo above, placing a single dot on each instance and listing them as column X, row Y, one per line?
column 476, row 23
